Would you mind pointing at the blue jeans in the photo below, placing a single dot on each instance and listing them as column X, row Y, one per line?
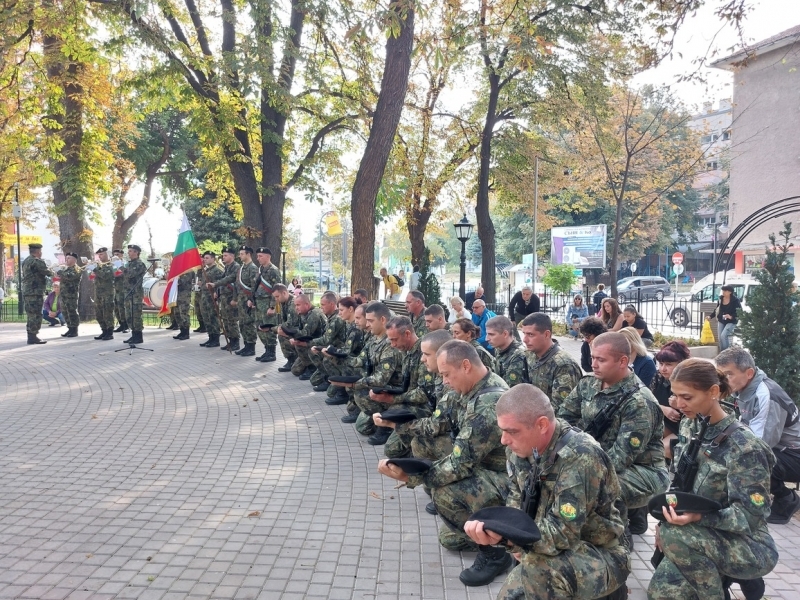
column 724, row 333
column 57, row 321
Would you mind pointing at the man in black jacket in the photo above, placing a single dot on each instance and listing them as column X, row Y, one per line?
column 522, row 304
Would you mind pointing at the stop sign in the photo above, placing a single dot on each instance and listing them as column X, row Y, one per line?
column 677, row 258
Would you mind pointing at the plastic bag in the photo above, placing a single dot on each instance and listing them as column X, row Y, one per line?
column 706, row 335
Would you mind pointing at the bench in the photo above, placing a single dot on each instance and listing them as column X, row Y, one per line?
column 397, row 307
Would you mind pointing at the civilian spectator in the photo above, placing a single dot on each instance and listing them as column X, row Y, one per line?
column 481, row 314
column 598, row 297
column 577, row 313
column 590, row 329
column 635, row 320
column 51, row 311
column 458, row 312
column 611, row 315
column 470, row 297
column 523, row 303
column 667, row 359
column 413, row 282
column 725, row 312
column 640, row 361
column 390, row 285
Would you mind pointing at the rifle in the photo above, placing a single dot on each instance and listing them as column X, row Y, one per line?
column 685, row 472
column 216, row 311
column 532, row 490
column 603, row 419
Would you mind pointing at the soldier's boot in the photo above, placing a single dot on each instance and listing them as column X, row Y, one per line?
column 321, row 387
column 137, row 338
column 102, row 334
column 783, row 508
column 108, row 335
column 248, row 350
column 183, row 335
column 637, row 520
column 752, row 589
column 122, row 327
column 351, row 416
column 69, row 333
column 200, row 329
column 489, row 563
column 307, row 374
column 213, row 341
column 270, row 355
column 340, row 397
column 380, row 436
column 235, row 344
column 241, row 350
column 204, row 344
column 33, row 339
column 430, row 508
column 130, row 339
column 287, row 367
column 262, row 357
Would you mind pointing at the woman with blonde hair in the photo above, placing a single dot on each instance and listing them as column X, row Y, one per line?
column 457, row 310
column 640, row 361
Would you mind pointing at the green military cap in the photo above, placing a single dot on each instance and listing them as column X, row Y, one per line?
column 398, row 415
column 34, row 246
column 134, row 247
column 264, row 250
column 681, row 502
column 412, row 466
column 515, row 525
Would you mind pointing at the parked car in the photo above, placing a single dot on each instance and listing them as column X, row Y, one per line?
column 642, row 288
column 689, row 312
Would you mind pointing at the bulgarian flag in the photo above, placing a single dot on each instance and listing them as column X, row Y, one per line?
column 186, row 258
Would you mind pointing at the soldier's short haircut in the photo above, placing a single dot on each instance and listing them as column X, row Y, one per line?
column 501, row 323
column 361, row 307
column 302, row 298
column 736, row 356
column 434, row 310
column 618, row 343
column 279, row 287
column 540, row 321
column 379, row 309
column 436, row 339
column 418, row 295
column 330, row 297
column 457, row 351
column 526, row 403
column 401, row 324
column 592, row 326
column 347, row 302
column 361, row 292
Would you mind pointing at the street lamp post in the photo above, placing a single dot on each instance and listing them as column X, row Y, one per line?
column 463, row 233
column 322, row 218
column 16, row 212
column 714, row 228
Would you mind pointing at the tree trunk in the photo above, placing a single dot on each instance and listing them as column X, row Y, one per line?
column 376, row 154
column 612, row 265
column 417, row 224
column 486, row 231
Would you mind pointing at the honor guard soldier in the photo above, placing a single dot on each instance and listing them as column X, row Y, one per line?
column 34, row 285
column 226, row 286
column 103, row 276
column 119, row 292
column 70, row 278
column 133, row 276
column 246, row 280
column 265, row 304
column 183, row 303
column 211, row 273
column 198, row 308
column 287, row 316
column 312, row 325
column 333, row 335
column 564, row 481
column 512, row 362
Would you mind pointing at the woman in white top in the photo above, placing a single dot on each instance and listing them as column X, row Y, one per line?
column 458, row 311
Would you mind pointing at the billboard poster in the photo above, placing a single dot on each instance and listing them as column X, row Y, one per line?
column 583, row 246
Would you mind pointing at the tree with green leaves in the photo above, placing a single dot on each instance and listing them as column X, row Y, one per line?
column 560, row 278
column 771, row 326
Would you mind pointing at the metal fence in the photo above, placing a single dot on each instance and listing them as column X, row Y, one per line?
column 10, row 314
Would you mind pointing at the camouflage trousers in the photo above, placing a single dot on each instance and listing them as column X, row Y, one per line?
column 69, row 308
column 696, row 558
column 230, row 317
column 303, row 360
column 397, row 447
column 583, row 573
column 198, row 309
column 321, row 374
column 288, row 351
column 432, row 448
column 209, row 313
column 33, row 310
column 639, row 483
column 119, row 303
column 268, row 338
column 457, row 501
column 133, row 310
column 181, row 310
column 104, row 310
column 334, row 367
column 247, row 320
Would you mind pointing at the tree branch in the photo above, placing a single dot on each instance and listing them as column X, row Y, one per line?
column 316, row 143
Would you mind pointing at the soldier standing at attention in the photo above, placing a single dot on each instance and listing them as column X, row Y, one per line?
column 312, row 324
column 264, row 302
column 246, row 280
column 701, row 550
column 550, row 368
column 70, row 278
column 287, row 316
column 626, row 420
column 334, row 335
column 103, row 276
column 183, row 302
column 119, row 292
column 227, row 298
column 211, row 273
column 34, row 285
column 512, row 363
column 198, row 307
column 133, row 276
column 580, row 553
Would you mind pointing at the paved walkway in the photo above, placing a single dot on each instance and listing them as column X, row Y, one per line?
column 191, row 473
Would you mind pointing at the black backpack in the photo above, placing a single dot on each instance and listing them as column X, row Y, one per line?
column 400, row 281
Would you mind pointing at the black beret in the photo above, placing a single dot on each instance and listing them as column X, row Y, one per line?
column 247, row 249
column 134, row 247
column 117, row 251
column 334, row 351
column 682, row 502
column 304, row 338
column 343, row 378
column 394, row 391
column 513, row 524
column 229, row 250
column 209, row 253
column 412, row 466
column 264, row 250
column 398, row 415
column 290, row 330
column 72, row 254
column 103, row 249
column 34, row 246
column 265, row 326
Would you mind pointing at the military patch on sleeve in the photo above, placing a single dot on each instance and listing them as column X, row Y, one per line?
column 512, row 376
column 568, row 512
column 387, row 366
column 635, row 440
column 757, row 499
column 457, row 451
column 437, row 412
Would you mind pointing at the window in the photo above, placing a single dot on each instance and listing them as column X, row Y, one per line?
column 712, row 165
column 726, row 135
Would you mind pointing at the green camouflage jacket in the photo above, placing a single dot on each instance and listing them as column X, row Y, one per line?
column 512, row 363
column 289, row 316
column 246, row 279
column 227, row 283
column 359, row 361
column 556, row 373
column 386, row 365
column 104, row 280
column 419, row 324
column 416, row 377
column 312, row 323
column 34, row 276
column 435, row 425
column 635, row 432
column 335, row 333
column 268, row 278
column 70, row 278
column 354, row 339
column 487, row 359
column 133, row 275
column 210, row 274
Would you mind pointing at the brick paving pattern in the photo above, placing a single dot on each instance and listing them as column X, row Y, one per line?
column 191, row 473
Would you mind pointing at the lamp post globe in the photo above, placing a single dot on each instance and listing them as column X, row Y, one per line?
column 463, row 233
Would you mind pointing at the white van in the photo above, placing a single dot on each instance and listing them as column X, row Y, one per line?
column 684, row 313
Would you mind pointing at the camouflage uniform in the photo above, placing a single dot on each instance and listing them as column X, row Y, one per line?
column 419, row 324
column 632, row 440
column 357, row 363
column 486, row 358
column 386, row 370
column 429, row 437
column 198, row 306
column 268, row 277
column 34, row 284
column 211, row 274
column 246, row 279
column 353, row 343
column 334, row 335
column 512, row 364
column 312, row 324
column 119, row 294
column 133, row 276
column 580, row 554
column 184, row 299
column 474, row 474
column 227, row 293
column 734, row 541
column 290, row 318
column 556, row 373
column 103, row 276
column 70, row 286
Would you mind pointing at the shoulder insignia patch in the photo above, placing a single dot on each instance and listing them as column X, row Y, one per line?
column 457, row 451
column 635, row 441
column 568, row 512
column 437, row 412
column 387, row 366
column 512, row 376
column 757, row 499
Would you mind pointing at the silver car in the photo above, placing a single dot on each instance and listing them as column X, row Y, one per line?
column 642, row 288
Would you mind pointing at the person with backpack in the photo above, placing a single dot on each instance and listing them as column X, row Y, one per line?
column 774, row 417
column 391, row 285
